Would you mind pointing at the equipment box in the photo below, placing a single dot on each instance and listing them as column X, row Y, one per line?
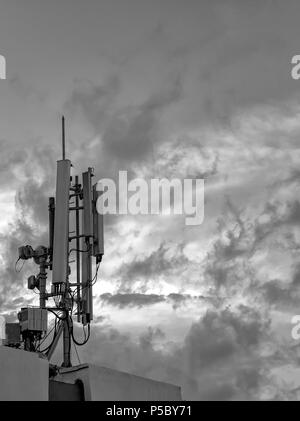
column 34, row 319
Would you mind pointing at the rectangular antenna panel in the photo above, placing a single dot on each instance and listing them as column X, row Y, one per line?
column 87, row 244
column 98, row 248
column 61, row 222
column 87, row 203
column 86, row 279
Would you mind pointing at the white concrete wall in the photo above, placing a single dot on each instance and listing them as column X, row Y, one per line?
column 2, row 329
column 105, row 384
column 23, row 376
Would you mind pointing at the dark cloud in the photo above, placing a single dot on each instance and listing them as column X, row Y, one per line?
column 220, row 336
column 282, row 294
column 247, row 61
column 94, row 102
column 152, row 266
column 132, row 133
column 232, row 246
column 140, row 300
column 277, row 215
column 131, row 300
column 128, row 134
column 275, row 293
column 217, row 360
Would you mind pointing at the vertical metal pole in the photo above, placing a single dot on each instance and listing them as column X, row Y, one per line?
column 51, row 221
column 63, row 138
column 77, row 251
column 67, row 328
column 54, row 344
column 67, row 341
column 42, row 285
column 51, row 227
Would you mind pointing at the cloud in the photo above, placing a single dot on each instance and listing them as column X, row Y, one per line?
column 132, row 133
column 127, row 133
column 283, row 294
column 93, row 102
column 131, row 300
column 159, row 262
column 212, row 98
column 218, row 359
column 245, row 61
column 139, row 300
column 29, row 223
column 14, row 157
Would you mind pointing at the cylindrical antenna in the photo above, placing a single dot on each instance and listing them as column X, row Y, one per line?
column 63, row 138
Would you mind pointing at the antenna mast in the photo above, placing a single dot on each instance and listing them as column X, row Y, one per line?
column 63, row 138
column 68, row 292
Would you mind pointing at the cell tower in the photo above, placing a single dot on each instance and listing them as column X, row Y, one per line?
column 74, row 201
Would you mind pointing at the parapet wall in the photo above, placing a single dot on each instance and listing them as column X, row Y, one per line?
column 106, row 384
column 23, row 376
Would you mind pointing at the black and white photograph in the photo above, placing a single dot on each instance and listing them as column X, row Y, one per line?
column 149, row 203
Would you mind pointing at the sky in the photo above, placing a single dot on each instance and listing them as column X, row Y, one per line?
column 166, row 89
